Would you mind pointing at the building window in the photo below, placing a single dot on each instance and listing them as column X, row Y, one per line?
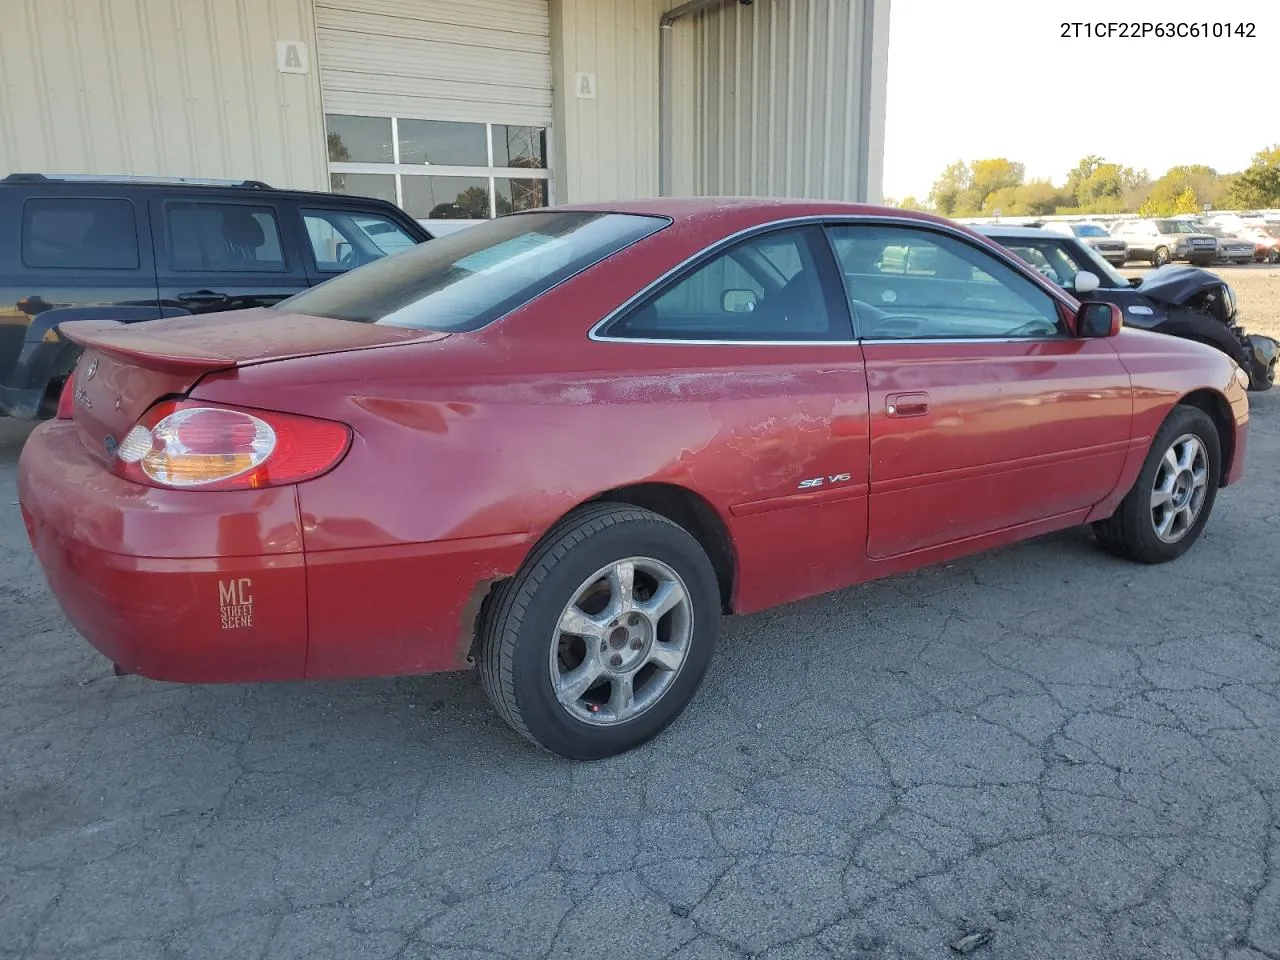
column 439, row 169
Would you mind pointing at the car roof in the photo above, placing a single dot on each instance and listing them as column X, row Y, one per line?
column 1027, row 233
column 40, row 181
column 749, row 209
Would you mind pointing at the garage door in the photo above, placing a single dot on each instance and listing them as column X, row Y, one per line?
column 438, row 105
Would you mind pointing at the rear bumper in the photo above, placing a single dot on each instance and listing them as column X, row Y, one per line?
column 204, row 587
column 154, row 579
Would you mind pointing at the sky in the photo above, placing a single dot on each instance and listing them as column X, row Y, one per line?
column 971, row 79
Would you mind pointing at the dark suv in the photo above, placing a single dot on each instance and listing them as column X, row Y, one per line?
column 129, row 249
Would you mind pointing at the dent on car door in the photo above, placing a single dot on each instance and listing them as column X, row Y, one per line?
column 764, row 391
column 985, row 413
column 214, row 255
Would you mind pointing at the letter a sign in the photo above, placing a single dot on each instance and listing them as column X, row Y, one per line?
column 291, row 56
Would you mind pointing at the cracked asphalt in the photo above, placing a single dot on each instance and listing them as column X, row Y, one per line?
column 1076, row 754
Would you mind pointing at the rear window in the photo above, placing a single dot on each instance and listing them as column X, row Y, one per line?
column 467, row 279
column 79, row 233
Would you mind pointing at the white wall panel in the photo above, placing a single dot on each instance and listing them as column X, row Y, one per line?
column 766, row 99
column 159, row 87
column 606, row 146
column 777, row 98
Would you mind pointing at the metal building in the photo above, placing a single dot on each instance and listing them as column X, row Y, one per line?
column 454, row 108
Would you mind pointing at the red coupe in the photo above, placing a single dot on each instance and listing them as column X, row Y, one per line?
column 557, row 446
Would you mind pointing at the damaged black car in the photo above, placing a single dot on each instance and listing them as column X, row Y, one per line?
column 1187, row 302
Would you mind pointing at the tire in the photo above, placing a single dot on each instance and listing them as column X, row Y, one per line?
column 1261, row 380
column 1160, row 257
column 1131, row 532
column 522, row 645
column 1273, row 255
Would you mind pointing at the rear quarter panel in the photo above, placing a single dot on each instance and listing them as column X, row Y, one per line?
column 445, row 457
column 503, row 431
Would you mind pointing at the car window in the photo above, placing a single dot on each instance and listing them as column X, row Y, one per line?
column 79, row 233
column 464, row 280
column 1060, row 262
column 765, row 288
column 1088, row 230
column 964, row 293
column 342, row 239
column 223, row 237
column 1036, row 258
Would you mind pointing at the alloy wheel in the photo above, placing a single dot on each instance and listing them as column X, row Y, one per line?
column 1180, row 486
column 621, row 641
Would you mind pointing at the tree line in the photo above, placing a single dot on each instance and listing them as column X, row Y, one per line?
column 1097, row 186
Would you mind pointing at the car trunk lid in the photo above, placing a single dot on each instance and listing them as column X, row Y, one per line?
column 126, row 368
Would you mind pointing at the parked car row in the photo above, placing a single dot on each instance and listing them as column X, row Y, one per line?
column 1201, row 241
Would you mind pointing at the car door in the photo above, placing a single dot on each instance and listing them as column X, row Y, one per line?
column 1133, row 237
column 216, row 253
column 985, row 413
column 766, row 402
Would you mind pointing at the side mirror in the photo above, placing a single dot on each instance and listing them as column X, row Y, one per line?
column 1098, row 319
column 739, row 301
column 1085, row 282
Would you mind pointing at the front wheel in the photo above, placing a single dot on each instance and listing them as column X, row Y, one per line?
column 1170, row 502
column 1160, row 257
column 1273, row 255
column 602, row 638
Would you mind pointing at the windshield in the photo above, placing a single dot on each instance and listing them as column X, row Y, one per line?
column 1174, row 226
column 1088, row 230
column 467, row 279
column 1061, row 260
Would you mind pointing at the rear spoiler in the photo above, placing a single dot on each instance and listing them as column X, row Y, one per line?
column 152, row 351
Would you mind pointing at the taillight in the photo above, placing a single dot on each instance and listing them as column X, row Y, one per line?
column 187, row 444
column 67, row 398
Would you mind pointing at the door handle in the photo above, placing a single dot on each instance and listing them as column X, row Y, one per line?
column 907, row 404
column 203, row 296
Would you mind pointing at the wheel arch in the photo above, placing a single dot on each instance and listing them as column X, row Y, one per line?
column 1218, row 409
column 695, row 514
column 682, row 506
